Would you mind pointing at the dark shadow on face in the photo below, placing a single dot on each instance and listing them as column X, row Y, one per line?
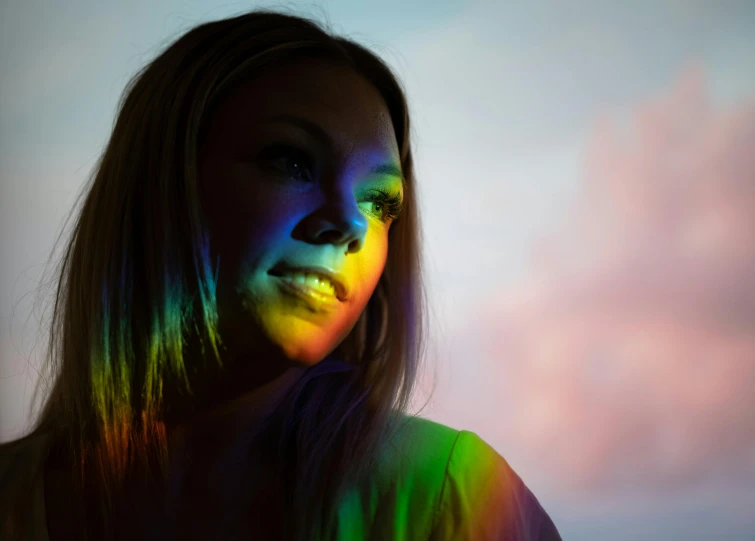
column 274, row 191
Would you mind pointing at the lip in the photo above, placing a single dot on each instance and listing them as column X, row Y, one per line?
column 338, row 280
column 317, row 301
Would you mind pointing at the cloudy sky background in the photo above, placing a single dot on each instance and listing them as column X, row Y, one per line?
column 587, row 175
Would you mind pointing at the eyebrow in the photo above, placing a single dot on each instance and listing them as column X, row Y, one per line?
column 320, row 133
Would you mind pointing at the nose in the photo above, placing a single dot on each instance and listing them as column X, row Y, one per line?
column 340, row 222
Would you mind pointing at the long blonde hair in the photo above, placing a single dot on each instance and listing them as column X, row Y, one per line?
column 136, row 280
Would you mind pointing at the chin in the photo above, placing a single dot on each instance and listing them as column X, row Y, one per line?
column 304, row 342
column 306, row 353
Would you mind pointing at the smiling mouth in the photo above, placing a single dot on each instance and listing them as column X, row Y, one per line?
column 316, row 300
column 321, row 278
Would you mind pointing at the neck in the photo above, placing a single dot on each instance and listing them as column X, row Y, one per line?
column 231, row 418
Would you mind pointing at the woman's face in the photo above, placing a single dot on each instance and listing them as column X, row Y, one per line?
column 276, row 192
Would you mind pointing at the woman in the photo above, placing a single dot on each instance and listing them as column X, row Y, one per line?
column 242, row 322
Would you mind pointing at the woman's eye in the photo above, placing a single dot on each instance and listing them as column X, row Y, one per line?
column 387, row 207
column 292, row 162
column 298, row 161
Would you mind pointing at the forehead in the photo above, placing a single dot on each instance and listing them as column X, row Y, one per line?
column 341, row 101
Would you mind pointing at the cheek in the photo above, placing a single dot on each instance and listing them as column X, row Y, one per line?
column 368, row 264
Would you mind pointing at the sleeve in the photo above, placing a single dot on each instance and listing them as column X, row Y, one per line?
column 483, row 499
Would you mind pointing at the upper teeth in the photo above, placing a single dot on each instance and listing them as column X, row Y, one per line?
column 314, row 281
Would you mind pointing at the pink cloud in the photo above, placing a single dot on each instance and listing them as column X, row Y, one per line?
column 627, row 356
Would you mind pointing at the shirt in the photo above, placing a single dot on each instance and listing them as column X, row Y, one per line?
column 437, row 483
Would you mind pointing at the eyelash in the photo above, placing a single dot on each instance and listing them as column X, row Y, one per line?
column 393, row 203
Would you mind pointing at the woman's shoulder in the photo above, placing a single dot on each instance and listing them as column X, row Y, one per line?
column 433, row 445
column 483, row 498
column 417, row 454
column 405, row 482
column 424, row 439
column 473, row 491
column 19, row 456
column 20, row 487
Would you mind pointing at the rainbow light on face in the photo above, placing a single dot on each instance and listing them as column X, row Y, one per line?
column 111, row 377
column 309, row 332
column 443, row 481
